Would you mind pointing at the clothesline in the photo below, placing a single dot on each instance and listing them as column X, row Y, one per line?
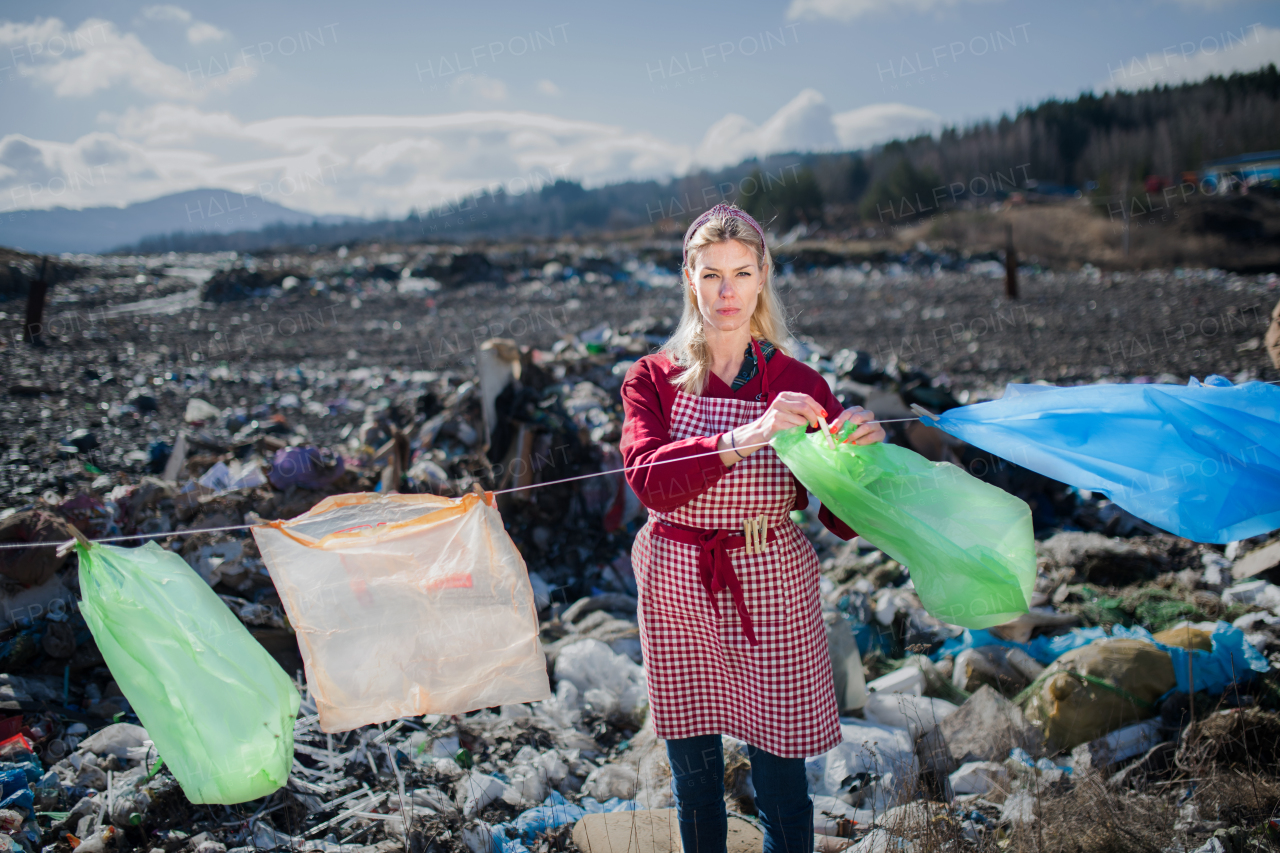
column 16, row 545
column 623, row 470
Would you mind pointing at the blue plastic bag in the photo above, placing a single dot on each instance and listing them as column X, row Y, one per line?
column 555, row 811
column 1043, row 649
column 1232, row 659
column 12, row 779
column 1200, row 461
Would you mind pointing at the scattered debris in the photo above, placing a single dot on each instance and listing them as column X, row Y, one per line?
column 253, row 389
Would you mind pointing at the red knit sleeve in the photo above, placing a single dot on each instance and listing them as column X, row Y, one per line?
column 646, row 439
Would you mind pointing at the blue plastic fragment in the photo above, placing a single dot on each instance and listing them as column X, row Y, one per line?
column 1044, row 649
column 24, row 799
column 554, row 811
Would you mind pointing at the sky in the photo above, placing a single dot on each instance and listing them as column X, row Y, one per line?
column 373, row 109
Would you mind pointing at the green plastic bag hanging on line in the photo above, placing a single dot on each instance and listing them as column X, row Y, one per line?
column 219, row 709
column 968, row 545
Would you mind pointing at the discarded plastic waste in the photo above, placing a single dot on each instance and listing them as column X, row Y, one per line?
column 609, row 682
column 979, row 777
column 307, row 467
column 1198, row 460
column 1096, row 689
column 1116, row 746
column 906, row 679
column 967, row 544
column 875, row 766
column 1232, row 660
column 919, row 714
column 1008, row 670
column 220, row 710
column 406, row 605
column 846, row 663
column 985, row 728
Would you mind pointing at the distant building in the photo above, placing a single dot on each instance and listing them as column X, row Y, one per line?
column 1261, row 168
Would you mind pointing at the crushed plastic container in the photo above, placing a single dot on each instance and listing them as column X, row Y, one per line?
column 968, row 545
column 218, row 708
column 406, row 605
column 905, row 679
column 1119, row 745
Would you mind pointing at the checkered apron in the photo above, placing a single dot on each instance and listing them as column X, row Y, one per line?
column 704, row 674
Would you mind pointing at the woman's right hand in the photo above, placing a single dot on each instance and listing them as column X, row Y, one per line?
column 789, row 409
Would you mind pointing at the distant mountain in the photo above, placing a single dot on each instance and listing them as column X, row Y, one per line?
column 100, row 229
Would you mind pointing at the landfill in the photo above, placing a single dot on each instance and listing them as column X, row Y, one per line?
column 187, row 398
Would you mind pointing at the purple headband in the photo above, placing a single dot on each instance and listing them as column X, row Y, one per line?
column 719, row 210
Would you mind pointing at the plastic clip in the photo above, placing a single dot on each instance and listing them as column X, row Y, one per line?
column 924, row 413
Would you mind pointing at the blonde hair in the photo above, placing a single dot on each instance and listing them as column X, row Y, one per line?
column 687, row 346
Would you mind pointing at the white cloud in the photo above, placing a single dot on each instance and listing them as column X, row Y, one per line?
column 202, row 31
column 199, row 31
column 96, row 169
column 478, row 86
column 355, row 164
column 1244, row 49
column 803, row 124
column 96, row 56
column 882, row 122
column 362, row 164
column 546, row 87
column 166, row 12
column 848, row 10
column 807, row 124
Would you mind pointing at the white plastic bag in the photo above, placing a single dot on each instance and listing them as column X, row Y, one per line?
column 609, row 682
column 918, row 714
column 406, row 605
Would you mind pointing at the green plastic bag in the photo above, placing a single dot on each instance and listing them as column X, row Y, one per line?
column 969, row 545
column 219, row 709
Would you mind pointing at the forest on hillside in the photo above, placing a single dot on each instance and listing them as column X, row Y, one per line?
column 1094, row 144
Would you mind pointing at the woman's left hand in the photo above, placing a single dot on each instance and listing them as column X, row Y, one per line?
column 866, row 433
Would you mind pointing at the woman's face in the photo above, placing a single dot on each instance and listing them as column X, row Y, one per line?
column 727, row 282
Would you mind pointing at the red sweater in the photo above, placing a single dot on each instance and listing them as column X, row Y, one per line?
column 647, row 398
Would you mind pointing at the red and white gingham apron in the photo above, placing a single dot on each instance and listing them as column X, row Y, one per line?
column 704, row 674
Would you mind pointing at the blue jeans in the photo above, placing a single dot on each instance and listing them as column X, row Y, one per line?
column 782, row 796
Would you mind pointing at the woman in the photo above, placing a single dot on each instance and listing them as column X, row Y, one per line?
column 733, row 636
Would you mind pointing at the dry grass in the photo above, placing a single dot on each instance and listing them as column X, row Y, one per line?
column 1072, row 233
column 1225, row 778
column 1093, row 817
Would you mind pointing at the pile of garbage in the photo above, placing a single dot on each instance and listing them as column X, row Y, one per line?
column 1145, row 662
column 1144, row 665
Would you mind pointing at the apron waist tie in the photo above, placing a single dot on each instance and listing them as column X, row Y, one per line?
column 715, row 569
